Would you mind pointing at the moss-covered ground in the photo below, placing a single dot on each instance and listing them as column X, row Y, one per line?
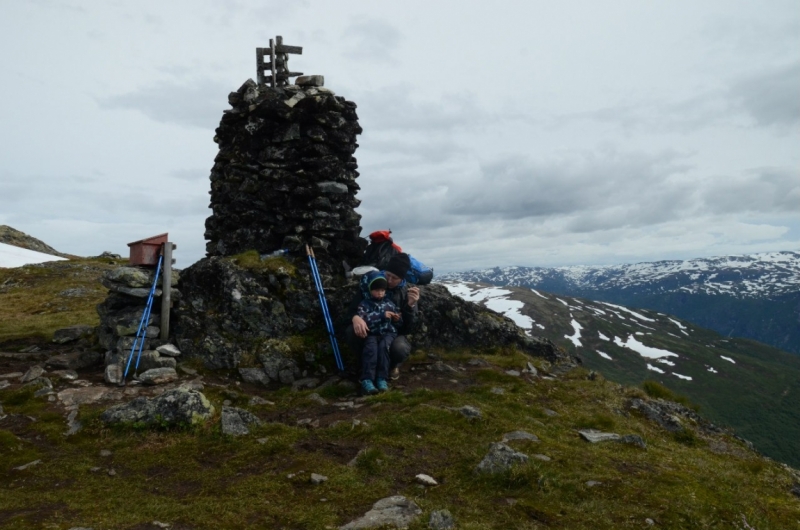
column 200, row 478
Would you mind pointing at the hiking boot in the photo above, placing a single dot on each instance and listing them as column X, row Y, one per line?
column 383, row 386
column 394, row 375
column 367, row 387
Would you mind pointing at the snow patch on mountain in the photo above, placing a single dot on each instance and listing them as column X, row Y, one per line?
column 576, row 338
column 641, row 349
column 728, row 359
column 604, row 355
column 12, row 257
column 495, row 299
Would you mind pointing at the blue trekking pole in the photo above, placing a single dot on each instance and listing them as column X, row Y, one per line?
column 141, row 333
column 324, row 304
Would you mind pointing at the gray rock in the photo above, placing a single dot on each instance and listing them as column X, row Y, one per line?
column 67, row 375
column 105, row 452
column 633, row 439
column 592, row 483
column 477, row 362
column 310, row 80
column 308, row 382
column 543, row 458
column 74, row 361
column 256, row 400
column 11, row 375
column 331, row 187
column 34, row 372
column 520, row 435
column 796, row 489
column 550, row 413
column 72, row 333
column 158, row 376
column 40, row 382
column 169, row 350
column 514, row 373
column 441, row 520
column 394, row 511
column 173, row 407
column 130, row 276
column 4, row 384
column 500, row 458
column 426, row 480
column 470, row 411
column 235, row 421
column 113, row 374
column 318, row 479
column 317, row 399
column 497, row 390
column 29, row 464
column 255, row 376
column 594, row 436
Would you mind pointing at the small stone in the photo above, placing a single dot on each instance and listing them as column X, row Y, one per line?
column 318, row 479
column 592, row 483
column 302, row 384
column 235, row 421
column 477, row 362
column 514, row 373
column 520, row 435
column 34, row 372
column 531, row 369
column 262, row 441
column 649, row 522
column 67, row 375
column 29, row 464
column 426, row 480
column 105, row 452
column 310, row 80
column 160, row 524
column 169, row 350
column 256, row 400
column 187, row 370
column 633, row 439
column 396, row 511
column 227, row 402
column 317, row 399
column 11, row 375
column 594, row 436
column 4, row 384
column 550, row 413
column 94, row 469
column 497, row 390
column 158, row 376
column 441, row 520
column 470, row 411
column 112, row 473
column 543, row 458
column 500, row 458
column 254, row 376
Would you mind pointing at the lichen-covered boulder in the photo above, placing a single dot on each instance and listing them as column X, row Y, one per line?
column 174, row 407
column 500, row 458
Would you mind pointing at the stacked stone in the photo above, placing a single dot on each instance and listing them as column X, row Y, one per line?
column 121, row 313
column 285, row 174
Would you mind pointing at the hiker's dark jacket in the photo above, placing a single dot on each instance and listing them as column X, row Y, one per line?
column 399, row 297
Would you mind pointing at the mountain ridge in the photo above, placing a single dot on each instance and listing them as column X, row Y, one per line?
column 755, row 296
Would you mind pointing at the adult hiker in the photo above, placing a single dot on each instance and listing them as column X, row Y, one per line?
column 405, row 298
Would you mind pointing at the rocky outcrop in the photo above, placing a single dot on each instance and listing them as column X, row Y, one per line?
column 396, row 511
column 12, row 236
column 500, row 458
column 285, row 175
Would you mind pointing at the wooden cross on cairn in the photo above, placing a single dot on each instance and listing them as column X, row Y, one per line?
column 278, row 64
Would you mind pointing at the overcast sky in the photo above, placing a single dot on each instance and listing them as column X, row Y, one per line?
column 525, row 132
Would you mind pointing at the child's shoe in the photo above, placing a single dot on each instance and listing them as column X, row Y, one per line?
column 367, row 387
column 382, row 385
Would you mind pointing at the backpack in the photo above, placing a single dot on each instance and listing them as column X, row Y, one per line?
column 382, row 248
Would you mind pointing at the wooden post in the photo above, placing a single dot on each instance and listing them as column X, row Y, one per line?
column 272, row 58
column 166, row 286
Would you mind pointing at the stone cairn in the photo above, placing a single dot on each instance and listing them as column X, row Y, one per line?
column 285, row 174
column 120, row 315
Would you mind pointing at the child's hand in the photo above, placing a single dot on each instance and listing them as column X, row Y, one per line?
column 393, row 316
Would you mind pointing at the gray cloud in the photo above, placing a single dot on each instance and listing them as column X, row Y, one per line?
column 771, row 98
column 195, row 105
column 372, row 40
column 766, row 190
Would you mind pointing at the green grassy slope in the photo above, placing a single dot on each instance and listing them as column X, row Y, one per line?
column 758, row 394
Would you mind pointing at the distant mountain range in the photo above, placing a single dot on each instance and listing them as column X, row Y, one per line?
column 749, row 386
column 753, row 296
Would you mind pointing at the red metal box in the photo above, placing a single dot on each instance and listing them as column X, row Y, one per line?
column 146, row 251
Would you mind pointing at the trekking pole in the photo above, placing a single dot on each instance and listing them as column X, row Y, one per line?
column 324, row 304
column 141, row 333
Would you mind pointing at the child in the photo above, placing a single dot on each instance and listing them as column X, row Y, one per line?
column 382, row 318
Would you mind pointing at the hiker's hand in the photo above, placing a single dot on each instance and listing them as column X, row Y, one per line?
column 392, row 315
column 360, row 327
column 413, row 296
